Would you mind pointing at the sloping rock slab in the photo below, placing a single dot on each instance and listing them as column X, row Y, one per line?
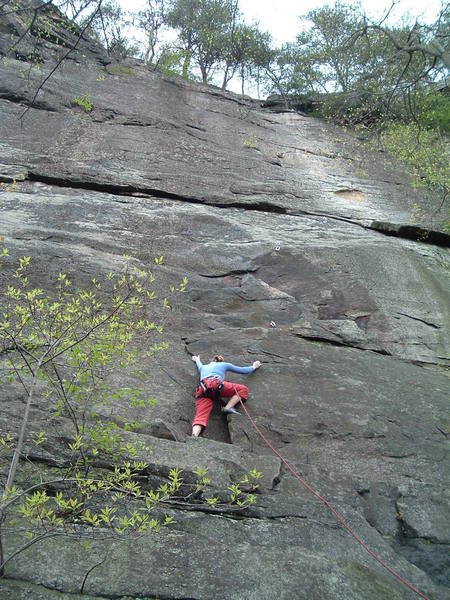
column 198, row 564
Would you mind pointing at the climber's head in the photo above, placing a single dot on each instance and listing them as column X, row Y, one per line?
column 217, row 358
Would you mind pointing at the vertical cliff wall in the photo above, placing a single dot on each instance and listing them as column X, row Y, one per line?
column 281, row 223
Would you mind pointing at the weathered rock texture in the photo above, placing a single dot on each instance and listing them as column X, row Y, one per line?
column 279, row 222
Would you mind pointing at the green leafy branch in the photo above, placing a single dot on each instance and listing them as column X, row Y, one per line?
column 61, row 347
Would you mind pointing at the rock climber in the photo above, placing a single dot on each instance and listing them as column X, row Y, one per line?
column 213, row 386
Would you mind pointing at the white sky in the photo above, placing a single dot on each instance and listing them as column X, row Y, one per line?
column 280, row 17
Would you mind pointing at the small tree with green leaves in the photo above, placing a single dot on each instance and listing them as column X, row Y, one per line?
column 203, row 26
column 247, row 50
column 108, row 26
column 76, row 353
column 151, row 21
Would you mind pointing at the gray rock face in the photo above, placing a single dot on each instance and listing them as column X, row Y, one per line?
column 277, row 221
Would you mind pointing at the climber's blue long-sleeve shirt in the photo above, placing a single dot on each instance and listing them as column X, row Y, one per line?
column 219, row 369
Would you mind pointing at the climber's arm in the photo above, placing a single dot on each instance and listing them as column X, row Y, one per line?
column 198, row 362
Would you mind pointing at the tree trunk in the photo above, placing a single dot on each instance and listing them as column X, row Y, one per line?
column 186, row 63
column 18, row 448
column 225, row 78
column 204, row 73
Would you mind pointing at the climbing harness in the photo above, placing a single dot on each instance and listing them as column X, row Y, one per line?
column 210, row 387
column 328, row 505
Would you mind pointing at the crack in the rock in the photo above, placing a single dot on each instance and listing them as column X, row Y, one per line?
column 234, row 513
column 98, row 594
column 399, row 456
column 332, row 155
column 405, row 538
column 330, row 525
column 328, row 342
column 112, row 117
column 229, row 273
column 444, row 433
column 197, row 127
column 408, row 232
column 274, row 162
column 244, row 296
column 420, row 320
column 116, row 189
column 129, row 190
column 338, row 344
column 249, row 440
column 406, row 534
column 405, row 530
column 227, row 429
column 267, row 353
column 151, row 470
column 277, row 479
column 22, row 101
column 321, row 215
column 405, row 232
column 260, row 206
column 412, row 232
column 46, row 461
column 251, row 513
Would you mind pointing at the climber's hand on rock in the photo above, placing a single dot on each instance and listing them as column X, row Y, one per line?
column 256, row 364
column 195, row 358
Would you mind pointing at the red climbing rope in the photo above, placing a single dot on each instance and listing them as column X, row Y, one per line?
column 335, row 513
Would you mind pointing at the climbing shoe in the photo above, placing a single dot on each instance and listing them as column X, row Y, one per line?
column 230, row 411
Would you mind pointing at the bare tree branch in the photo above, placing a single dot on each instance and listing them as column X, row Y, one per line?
column 62, row 59
column 388, row 12
column 433, row 49
column 89, row 571
column 18, row 448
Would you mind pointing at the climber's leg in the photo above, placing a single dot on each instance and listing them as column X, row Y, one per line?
column 235, row 392
column 203, row 408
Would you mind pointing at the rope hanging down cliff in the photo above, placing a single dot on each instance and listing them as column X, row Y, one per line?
column 333, row 510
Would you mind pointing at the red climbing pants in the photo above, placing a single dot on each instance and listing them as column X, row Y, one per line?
column 203, row 405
